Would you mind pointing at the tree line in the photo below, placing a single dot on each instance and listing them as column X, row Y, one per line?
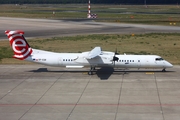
column 92, row 1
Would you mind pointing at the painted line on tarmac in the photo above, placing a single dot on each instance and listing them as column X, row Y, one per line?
column 149, row 73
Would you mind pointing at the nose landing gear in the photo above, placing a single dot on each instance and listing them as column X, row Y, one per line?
column 164, row 70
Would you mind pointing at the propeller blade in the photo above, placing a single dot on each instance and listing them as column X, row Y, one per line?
column 116, row 53
column 114, row 57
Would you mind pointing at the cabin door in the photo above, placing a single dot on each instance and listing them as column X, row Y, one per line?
column 60, row 61
column 139, row 63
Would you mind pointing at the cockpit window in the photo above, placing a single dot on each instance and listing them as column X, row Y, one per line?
column 159, row 59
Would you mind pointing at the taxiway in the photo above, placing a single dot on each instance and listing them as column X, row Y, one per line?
column 45, row 28
column 30, row 92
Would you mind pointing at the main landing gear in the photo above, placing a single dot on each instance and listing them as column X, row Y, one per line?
column 91, row 71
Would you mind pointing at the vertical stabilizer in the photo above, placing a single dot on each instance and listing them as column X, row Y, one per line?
column 19, row 44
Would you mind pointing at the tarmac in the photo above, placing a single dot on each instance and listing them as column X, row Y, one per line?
column 38, row 92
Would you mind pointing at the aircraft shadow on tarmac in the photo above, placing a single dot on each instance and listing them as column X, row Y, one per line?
column 103, row 73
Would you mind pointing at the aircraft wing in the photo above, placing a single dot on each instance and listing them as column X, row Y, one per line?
column 94, row 53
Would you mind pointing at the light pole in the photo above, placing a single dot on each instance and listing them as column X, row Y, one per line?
column 145, row 3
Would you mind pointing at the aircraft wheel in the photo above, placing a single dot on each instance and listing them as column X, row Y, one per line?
column 90, row 73
column 164, row 70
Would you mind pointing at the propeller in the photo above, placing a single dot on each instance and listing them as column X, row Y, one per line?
column 116, row 53
column 115, row 59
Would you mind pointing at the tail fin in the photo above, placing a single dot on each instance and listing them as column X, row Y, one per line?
column 19, row 44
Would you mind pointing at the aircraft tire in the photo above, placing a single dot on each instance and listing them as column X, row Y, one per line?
column 90, row 73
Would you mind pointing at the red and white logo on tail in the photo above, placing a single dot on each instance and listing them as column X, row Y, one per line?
column 19, row 45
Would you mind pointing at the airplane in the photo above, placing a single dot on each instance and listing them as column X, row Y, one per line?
column 94, row 58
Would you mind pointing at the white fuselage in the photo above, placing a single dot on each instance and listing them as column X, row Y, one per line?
column 77, row 60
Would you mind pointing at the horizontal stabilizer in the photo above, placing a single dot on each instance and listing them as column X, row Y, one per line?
column 94, row 53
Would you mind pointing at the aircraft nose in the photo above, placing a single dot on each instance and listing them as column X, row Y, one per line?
column 169, row 65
